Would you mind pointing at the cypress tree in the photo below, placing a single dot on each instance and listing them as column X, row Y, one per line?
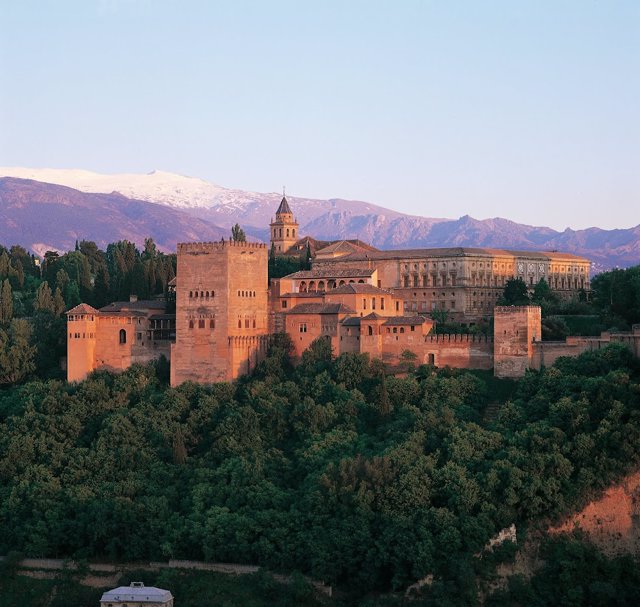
column 6, row 302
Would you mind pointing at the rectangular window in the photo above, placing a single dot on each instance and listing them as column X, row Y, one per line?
column 302, row 327
column 382, row 303
column 373, row 303
column 201, row 323
column 284, row 304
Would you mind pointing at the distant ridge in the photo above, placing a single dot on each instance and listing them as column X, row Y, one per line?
column 203, row 206
column 43, row 216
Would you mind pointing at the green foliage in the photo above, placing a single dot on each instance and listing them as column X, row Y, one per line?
column 6, row 302
column 575, row 573
column 515, row 293
column 616, row 295
column 330, row 468
column 237, row 233
column 16, row 352
column 280, row 266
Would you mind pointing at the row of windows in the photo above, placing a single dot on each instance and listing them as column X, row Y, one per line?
column 278, row 232
column 390, row 329
column 373, row 303
column 246, row 293
column 202, row 322
column 74, row 317
column 202, row 294
column 416, row 280
column 247, row 322
column 81, row 336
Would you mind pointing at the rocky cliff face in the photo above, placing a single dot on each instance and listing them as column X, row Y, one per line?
column 613, row 521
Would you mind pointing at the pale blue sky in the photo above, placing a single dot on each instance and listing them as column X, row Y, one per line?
column 528, row 110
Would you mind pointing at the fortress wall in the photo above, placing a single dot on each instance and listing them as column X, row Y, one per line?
column 457, row 351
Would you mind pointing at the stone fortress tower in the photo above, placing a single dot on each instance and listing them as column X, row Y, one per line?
column 284, row 230
column 221, row 311
column 516, row 330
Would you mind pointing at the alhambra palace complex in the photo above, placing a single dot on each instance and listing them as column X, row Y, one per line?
column 362, row 299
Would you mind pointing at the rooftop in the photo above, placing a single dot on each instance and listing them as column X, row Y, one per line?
column 461, row 252
column 406, row 320
column 358, row 288
column 83, row 308
column 284, row 207
column 320, row 308
column 132, row 306
column 138, row 593
column 326, row 273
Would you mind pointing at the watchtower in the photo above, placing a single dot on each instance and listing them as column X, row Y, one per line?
column 81, row 341
column 221, row 310
column 515, row 330
column 284, row 230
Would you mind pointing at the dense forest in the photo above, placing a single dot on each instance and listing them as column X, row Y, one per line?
column 366, row 481
column 332, row 468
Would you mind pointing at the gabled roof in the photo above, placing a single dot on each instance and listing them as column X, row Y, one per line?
column 284, row 207
column 83, row 308
column 351, row 321
column 173, row 282
column 374, row 316
column 319, row 273
column 406, row 320
column 358, row 287
column 320, row 308
column 345, row 247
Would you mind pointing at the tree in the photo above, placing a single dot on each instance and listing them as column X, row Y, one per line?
column 16, row 352
column 44, row 299
column 6, row 302
column 237, row 233
column 58, row 302
column 515, row 293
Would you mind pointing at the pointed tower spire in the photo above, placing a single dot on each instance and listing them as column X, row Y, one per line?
column 284, row 230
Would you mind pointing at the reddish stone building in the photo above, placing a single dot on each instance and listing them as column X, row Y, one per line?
column 221, row 311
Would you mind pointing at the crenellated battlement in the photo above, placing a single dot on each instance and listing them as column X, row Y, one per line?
column 195, row 248
column 515, row 309
column 459, row 338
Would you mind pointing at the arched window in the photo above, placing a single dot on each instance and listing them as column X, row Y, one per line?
column 431, row 360
column 201, row 323
column 191, row 324
column 287, row 232
column 239, row 323
column 370, row 328
column 293, row 233
column 123, row 336
column 212, row 323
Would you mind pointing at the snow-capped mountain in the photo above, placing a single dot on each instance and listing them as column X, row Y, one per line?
column 156, row 186
column 223, row 206
column 192, row 209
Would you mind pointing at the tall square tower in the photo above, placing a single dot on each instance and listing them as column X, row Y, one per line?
column 221, row 311
column 515, row 329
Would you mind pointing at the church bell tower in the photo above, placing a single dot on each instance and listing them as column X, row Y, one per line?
column 284, row 230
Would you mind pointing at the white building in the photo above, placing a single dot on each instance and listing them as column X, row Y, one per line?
column 137, row 595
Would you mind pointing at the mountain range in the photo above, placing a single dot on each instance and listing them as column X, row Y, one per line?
column 51, row 208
